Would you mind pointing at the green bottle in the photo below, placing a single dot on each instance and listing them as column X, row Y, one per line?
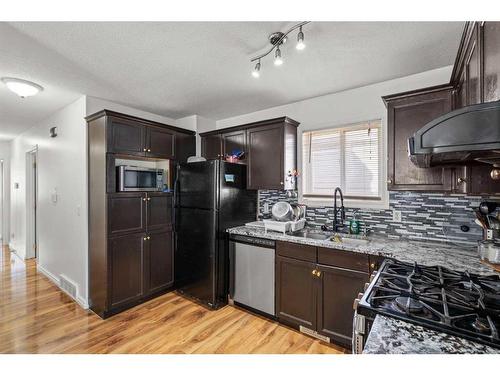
column 354, row 225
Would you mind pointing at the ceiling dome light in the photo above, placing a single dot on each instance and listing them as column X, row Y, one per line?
column 22, row 87
column 256, row 71
column 300, row 40
column 277, row 57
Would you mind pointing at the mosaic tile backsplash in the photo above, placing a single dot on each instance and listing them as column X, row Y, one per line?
column 425, row 216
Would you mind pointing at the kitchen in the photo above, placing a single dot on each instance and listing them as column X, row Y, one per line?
column 307, row 277
column 364, row 221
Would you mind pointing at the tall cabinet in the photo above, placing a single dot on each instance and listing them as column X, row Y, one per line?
column 130, row 233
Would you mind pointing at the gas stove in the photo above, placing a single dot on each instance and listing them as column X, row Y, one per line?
column 457, row 303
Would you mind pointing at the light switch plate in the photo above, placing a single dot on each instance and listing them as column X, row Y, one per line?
column 396, row 216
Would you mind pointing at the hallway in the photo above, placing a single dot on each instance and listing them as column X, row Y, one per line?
column 36, row 317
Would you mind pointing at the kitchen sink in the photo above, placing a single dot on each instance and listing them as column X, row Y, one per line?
column 311, row 235
column 352, row 241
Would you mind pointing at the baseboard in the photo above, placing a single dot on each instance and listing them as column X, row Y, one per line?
column 55, row 280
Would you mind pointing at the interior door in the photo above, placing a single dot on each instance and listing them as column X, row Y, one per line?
column 338, row 288
column 160, row 260
column 160, row 143
column 296, row 292
column 126, row 137
column 126, row 264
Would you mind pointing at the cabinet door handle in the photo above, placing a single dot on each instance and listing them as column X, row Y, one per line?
column 148, row 238
column 389, row 181
column 144, row 149
column 149, row 150
column 145, row 238
column 372, row 266
column 461, row 180
column 149, row 198
column 144, row 199
column 314, row 272
column 281, row 183
column 318, row 273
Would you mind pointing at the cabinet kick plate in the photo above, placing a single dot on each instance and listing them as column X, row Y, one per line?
column 314, row 334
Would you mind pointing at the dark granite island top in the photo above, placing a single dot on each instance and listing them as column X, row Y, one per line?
column 393, row 336
column 457, row 258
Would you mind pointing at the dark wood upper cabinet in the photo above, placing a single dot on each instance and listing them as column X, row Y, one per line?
column 126, row 213
column 126, row 277
column 337, row 289
column 296, row 292
column 265, row 157
column 159, row 211
column 211, row 146
column 472, row 70
column 270, row 150
column 490, row 37
column 126, row 136
column 160, row 261
column 160, row 143
column 234, row 141
column 407, row 113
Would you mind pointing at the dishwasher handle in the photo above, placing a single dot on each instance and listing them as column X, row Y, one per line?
column 261, row 242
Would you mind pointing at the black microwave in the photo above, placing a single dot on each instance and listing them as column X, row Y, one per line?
column 130, row 178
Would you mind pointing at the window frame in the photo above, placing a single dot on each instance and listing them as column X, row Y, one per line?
column 379, row 202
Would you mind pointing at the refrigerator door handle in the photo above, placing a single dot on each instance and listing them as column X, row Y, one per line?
column 175, row 198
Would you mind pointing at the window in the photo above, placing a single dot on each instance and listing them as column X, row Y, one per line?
column 347, row 157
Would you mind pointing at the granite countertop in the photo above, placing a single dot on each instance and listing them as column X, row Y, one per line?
column 425, row 253
column 394, row 336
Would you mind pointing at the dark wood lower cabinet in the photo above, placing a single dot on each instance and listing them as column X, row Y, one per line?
column 126, row 271
column 317, row 296
column 160, row 261
column 337, row 289
column 296, row 292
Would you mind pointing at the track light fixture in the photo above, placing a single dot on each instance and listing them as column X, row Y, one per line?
column 277, row 39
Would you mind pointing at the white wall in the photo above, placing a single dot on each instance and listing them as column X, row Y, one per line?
column 5, row 190
column 62, row 226
column 346, row 107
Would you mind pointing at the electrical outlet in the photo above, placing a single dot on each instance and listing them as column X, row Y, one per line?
column 396, row 216
column 266, row 208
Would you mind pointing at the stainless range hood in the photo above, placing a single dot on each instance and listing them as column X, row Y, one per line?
column 467, row 134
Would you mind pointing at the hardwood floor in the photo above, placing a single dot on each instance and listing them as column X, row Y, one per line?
column 36, row 317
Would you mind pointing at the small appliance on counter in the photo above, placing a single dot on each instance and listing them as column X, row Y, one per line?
column 457, row 303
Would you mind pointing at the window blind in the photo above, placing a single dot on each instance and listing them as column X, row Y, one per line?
column 347, row 157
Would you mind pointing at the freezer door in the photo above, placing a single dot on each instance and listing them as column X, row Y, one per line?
column 197, row 185
column 195, row 253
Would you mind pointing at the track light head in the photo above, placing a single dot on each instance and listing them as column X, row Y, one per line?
column 300, row 40
column 277, row 57
column 256, row 71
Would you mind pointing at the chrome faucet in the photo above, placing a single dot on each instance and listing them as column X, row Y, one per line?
column 336, row 222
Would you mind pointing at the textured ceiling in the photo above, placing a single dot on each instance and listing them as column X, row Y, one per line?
column 181, row 68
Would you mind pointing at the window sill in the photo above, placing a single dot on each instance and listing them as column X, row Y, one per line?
column 382, row 204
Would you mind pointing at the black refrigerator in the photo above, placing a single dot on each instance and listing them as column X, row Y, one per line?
column 209, row 197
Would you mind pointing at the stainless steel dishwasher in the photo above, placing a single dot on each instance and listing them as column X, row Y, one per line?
column 252, row 273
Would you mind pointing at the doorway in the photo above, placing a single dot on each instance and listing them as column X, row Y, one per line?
column 31, row 203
